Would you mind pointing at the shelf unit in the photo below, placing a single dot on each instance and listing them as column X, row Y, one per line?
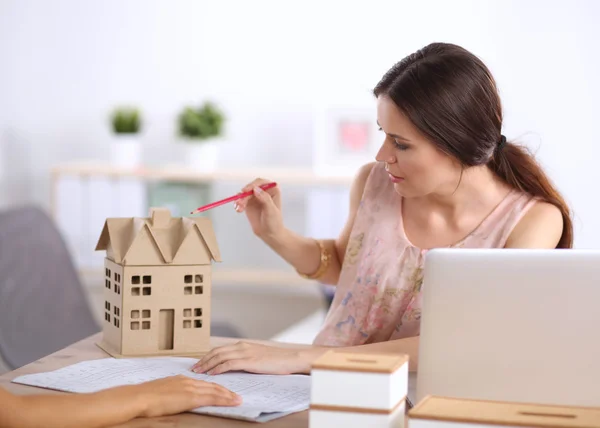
column 84, row 170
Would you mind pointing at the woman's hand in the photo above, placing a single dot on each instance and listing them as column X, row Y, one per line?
column 253, row 358
column 263, row 209
column 180, row 393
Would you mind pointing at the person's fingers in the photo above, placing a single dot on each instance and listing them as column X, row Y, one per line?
column 243, row 201
column 264, row 198
column 216, row 400
column 216, row 389
column 223, row 391
column 207, row 366
column 212, row 353
column 241, row 204
column 215, row 352
column 230, row 365
column 256, row 182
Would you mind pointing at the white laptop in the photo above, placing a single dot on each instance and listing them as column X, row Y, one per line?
column 515, row 325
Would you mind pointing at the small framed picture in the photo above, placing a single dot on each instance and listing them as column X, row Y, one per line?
column 345, row 139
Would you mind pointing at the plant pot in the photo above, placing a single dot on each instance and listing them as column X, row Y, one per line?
column 126, row 151
column 202, row 155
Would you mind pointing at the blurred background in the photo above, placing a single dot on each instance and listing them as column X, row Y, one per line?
column 110, row 107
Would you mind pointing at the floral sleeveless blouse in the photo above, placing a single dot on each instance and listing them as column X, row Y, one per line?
column 378, row 296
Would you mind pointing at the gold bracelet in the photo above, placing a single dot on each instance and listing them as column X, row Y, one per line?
column 324, row 264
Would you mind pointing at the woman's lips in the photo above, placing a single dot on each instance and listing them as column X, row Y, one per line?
column 395, row 179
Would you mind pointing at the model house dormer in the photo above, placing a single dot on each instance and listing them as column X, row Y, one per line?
column 157, row 284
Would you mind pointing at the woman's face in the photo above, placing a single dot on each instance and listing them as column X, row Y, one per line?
column 414, row 164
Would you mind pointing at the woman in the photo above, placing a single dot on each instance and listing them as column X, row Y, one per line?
column 445, row 176
column 113, row 406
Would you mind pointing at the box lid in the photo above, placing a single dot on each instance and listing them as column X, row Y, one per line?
column 505, row 413
column 359, row 362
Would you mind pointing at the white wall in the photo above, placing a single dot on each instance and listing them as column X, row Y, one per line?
column 64, row 64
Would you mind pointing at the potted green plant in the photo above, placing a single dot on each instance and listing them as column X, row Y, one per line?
column 126, row 150
column 201, row 129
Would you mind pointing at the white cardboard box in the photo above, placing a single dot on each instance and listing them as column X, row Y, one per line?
column 445, row 412
column 358, row 390
column 345, row 418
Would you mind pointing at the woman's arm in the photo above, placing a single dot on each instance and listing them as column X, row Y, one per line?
column 112, row 406
column 303, row 253
column 290, row 359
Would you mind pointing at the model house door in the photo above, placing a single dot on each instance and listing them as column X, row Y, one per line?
column 166, row 325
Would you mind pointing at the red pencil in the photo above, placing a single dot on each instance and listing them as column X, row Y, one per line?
column 232, row 198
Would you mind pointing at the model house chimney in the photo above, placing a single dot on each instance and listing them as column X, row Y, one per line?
column 160, row 217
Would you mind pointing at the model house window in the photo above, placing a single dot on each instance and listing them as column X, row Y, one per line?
column 135, row 291
column 146, row 291
column 135, row 314
column 187, row 313
column 117, row 311
column 115, row 276
column 198, row 279
column 107, row 316
column 107, row 306
column 108, row 273
column 197, row 289
column 107, row 283
column 147, row 279
column 135, row 279
column 116, row 322
column 118, row 289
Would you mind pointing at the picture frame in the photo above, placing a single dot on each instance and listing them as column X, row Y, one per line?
column 345, row 139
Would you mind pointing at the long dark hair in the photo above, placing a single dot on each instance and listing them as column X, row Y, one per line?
column 451, row 97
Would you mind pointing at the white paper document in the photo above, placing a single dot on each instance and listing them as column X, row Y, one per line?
column 265, row 397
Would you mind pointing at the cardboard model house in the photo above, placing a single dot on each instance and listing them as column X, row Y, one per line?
column 157, row 284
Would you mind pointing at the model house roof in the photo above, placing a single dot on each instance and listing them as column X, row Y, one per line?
column 159, row 239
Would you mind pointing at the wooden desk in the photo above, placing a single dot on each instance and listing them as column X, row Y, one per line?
column 87, row 350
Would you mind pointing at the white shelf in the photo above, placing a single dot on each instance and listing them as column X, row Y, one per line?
column 270, row 277
column 300, row 176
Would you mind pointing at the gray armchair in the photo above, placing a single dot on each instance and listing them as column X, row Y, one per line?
column 43, row 307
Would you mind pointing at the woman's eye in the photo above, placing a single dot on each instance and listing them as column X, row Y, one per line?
column 400, row 146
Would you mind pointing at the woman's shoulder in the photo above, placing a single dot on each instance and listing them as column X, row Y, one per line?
column 372, row 171
column 363, row 173
column 541, row 226
column 359, row 182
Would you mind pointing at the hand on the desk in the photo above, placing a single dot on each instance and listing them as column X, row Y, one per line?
column 112, row 406
column 178, row 394
column 253, row 358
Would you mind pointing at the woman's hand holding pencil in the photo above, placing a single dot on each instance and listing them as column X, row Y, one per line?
column 263, row 208
column 261, row 201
